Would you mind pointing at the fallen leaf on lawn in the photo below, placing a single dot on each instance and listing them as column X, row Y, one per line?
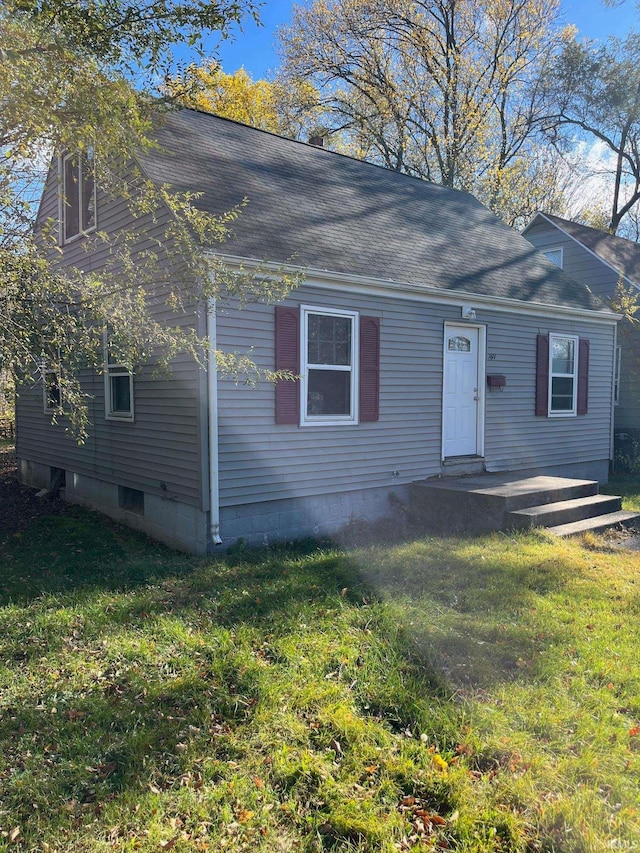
column 154, row 789
column 245, row 815
column 75, row 715
column 107, row 769
column 258, row 782
column 372, row 768
column 634, row 732
column 14, row 835
column 439, row 762
column 167, row 845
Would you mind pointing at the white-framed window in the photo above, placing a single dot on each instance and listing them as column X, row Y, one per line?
column 78, row 195
column 554, row 255
column 51, row 392
column 563, row 375
column 118, row 390
column 329, row 366
column 616, row 376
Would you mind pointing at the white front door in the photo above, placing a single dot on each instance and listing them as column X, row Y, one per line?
column 462, row 391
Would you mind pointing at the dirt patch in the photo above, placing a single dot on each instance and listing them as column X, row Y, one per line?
column 19, row 504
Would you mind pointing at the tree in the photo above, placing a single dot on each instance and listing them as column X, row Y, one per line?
column 81, row 77
column 595, row 95
column 289, row 110
column 448, row 90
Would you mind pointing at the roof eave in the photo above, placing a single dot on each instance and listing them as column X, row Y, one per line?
column 391, row 287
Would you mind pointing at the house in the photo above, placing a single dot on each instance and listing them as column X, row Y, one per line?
column 428, row 337
column 601, row 261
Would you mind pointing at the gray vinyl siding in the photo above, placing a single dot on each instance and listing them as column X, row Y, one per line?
column 163, row 445
column 260, row 461
column 583, row 266
column 627, row 411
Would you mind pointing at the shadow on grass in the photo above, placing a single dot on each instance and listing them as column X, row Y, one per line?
column 461, row 602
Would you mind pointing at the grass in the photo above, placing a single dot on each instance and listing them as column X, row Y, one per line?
column 477, row 694
column 628, row 486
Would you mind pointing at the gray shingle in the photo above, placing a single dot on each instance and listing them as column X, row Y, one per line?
column 324, row 211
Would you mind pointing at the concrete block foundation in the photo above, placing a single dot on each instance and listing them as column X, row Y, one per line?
column 297, row 518
column 176, row 524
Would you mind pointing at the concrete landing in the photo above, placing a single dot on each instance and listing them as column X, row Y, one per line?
column 506, row 501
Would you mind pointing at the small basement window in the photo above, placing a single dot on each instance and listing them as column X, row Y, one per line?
column 58, row 480
column 131, row 499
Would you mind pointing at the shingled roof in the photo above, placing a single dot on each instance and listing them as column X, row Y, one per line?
column 623, row 255
column 324, row 211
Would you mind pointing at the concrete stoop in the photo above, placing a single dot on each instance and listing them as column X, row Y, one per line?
column 487, row 502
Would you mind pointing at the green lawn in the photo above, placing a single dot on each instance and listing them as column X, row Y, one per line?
column 477, row 694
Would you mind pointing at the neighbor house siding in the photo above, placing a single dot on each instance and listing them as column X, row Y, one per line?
column 162, row 445
column 262, row 461
column 579, row 263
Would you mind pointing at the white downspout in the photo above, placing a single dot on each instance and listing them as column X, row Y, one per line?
column 613, row 399
column 212, row 388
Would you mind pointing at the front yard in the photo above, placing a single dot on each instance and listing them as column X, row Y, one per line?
column 477, row 694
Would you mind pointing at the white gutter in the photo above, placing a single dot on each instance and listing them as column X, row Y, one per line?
column 346, row 282
column 212, row 408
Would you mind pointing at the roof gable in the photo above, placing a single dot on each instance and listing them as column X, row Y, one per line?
column 621, row 255
column 325, row 211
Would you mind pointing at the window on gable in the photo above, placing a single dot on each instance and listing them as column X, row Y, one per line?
column 118, row 390
column 78, row 194
column 554, row 255
column 329, row 366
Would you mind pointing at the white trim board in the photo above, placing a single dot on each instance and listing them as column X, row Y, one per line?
column 367, row 285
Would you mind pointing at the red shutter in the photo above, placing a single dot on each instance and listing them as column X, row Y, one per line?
column 369, row 368
column 583, row 376
column 542, row 376
column 288, row 358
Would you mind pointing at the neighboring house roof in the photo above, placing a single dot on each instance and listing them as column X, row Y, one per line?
column 620, row 254
column 321, row 210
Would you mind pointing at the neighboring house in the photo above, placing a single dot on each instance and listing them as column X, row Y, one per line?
column 600, row 261
column 428, row 337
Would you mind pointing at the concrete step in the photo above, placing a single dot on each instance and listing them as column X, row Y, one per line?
column 596, row 524
column 462, row 466
column 564, row 512
column 483, row 502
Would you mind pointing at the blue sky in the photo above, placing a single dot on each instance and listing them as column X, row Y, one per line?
column 254, row 48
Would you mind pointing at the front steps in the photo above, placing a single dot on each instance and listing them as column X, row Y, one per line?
column 564, row 506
